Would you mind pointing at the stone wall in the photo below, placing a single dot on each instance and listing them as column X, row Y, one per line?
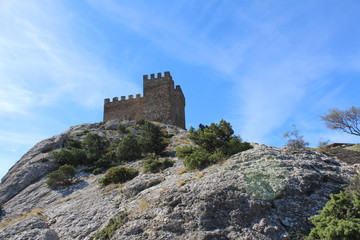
column 161, row 102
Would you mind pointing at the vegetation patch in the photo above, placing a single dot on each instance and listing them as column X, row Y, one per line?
column 122, row 128
column 339, row 219
column 215, row 143
column 118, row 175
column 65, row 199
column 97, row 154
column 36, row 212
column 113, row 225
column 72, row 156
column 355, row 147
column 62, row 177
column 265, row 179
column 128, row 149
column 154, row 164
column 152, row 139
column 143, row 205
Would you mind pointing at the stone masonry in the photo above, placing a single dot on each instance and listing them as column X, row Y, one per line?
column 161, row 102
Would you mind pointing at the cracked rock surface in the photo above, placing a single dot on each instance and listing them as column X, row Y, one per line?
column 262, row 193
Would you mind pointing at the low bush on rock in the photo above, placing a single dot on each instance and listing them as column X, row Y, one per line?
column 215, row 143
column 154, row 164
column 339, row 219
column 110, row 229
column 97, row 171
column 94, row 146
column 182, row 152
column 62, row 177
column 73, row 156
column 198, row 159
column 70, row 143
column 118, row 175
column 128, row 149
column 122, row 128
column 152, row 139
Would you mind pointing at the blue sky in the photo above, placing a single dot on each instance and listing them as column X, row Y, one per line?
column 262, row 65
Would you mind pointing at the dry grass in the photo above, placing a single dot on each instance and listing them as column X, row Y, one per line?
column 200, row 174
column 108, row 188
column 355, row 147
column 65, row 200
column 182, row 182
column 184, row 141
column 36, row 212
column 182, row 171
column 143, row 205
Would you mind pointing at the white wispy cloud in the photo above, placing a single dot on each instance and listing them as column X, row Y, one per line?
column 45, row 57
column 177, row 30
column 276, row 54
column 46, row 60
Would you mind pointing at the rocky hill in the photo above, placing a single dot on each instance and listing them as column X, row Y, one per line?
column 261, row 193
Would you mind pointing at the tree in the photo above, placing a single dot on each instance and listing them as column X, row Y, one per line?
column 128, row 149
column 74, row 156
column 345, row 120
column 118, row 175
column 95, row 146
column 214, row 143
column 218, row 137
column 295, row 140
column 152, row 139
column 62, row 177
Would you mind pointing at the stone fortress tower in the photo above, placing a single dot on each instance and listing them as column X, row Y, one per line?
column 161, row 102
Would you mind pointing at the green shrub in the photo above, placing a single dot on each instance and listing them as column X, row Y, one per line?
column 212, row 137
column 339, row 219
column 62, row 177
column 235, row 145
column 140, row 122
column 154, row 165
column 218, row 137
column 198, row 159
column 122, row 128
column 107, row 160
column 113, row 225
column 70, row 143
column 183, row 151
column 118, row 175
column 217, row 156
column 128, row 149
column 94, row 146
column 73, row 156
column 97, row 171
column 152, row 139
column 215, row 143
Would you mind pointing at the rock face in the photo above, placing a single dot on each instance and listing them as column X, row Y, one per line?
column 262, row 193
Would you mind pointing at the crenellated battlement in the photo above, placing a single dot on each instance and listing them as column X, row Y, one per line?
column 122, row 98
column 166, row 76
column 161, row 102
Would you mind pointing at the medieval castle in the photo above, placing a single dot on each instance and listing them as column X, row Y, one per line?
column 160, row 102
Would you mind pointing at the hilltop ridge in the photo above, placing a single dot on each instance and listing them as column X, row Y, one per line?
column 261, row 193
